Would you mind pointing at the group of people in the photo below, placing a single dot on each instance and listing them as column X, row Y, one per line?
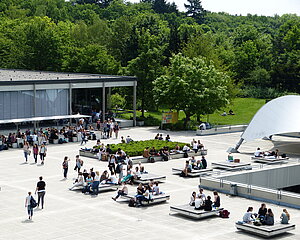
column 108, row 127
column 193, row 164
column 201, row 202
column 268, row 154
column 36, row 151
column 264, row 216
column 159, row 136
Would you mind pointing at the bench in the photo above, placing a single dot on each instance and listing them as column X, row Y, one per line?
column 190, row 212
column 269, row 160
column 231, row 165
column 155, row 198
column 265, row 231
column 147, row 177
column 102, row 187
column 137, row 159
column 193, row 173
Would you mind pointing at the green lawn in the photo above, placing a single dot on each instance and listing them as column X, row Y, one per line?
column 244, row 109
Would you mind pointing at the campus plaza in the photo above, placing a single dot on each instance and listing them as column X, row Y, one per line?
column 72, row 215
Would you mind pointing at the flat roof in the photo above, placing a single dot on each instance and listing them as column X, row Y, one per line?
column 17, row 77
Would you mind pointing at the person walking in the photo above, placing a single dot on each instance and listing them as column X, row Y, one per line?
column 43, row 151
column 35, row 150
column 116, row 129
column 26, row 150
column 28, row 206
column 65, row 166
column 78, row 164
column 40, row 190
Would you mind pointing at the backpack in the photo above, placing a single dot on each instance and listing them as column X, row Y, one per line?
column 33, row 203
column 132, row 202
column 224, row 214
column 151, row 160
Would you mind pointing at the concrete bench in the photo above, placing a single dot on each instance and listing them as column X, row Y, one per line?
column 190, row 212
column 193, row 173
column 265, row 231
column 155, row 198
column 147, row 177
column 102, row 187
column 231, row 165
column 269, row 160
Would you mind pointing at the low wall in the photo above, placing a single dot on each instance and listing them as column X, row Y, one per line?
column 141, row 159
column 221, row 130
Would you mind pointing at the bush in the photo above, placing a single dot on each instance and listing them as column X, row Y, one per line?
column 136, row 148
column 261, row 92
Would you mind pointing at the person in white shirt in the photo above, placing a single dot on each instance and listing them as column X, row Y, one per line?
column 95, row 183
column 258, row 153
column 185, row 148
column 137, row 173
column 201, row 194
column 28, row 206
column 79, row 181
column 156, row 189
column 195, row 146
column 248, row 216
column 199, row 203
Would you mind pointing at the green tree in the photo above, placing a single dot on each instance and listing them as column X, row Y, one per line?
column 192, row 85
column 195, row 10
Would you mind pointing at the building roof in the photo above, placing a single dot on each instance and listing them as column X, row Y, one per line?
column 15, row 76
column 278, row 116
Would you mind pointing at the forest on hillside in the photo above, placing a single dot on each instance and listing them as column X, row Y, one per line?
column 258, row 55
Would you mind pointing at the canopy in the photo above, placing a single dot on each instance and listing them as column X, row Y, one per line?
column 37, row 119
column 281, row 115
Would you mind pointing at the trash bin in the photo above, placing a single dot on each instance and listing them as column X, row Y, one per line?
column 233, row 189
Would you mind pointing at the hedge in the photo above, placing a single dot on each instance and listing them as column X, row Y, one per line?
column 136, row 148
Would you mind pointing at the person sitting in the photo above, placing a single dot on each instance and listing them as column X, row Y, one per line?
column 203, row 162
column 142, row 168
column 113, row 179
column 164, row 153
column 199, row 203
column 155, row 189
column 122, row 192
column 262, row 211
column 186, row 148
column 87, row 184
column 224, row 114
column 104, row 177
column 193, row 198
column 217, row 201
column 269, row 218
column 248, row 216
column 129, row 177
column 285, row 217
column 258, row 153
column 208, row 204
column 201, row 194
column 230, row 112
column 78, row 182
column 160, row 137
column 177, row 149
column 137, row 173
column 122, row 140
column 140, row 190
column 230, row 158
column 145, row 197
column 195, row 146
column 146, row 153
column 153, row 152
column 157, row 136
column 151, row 185
column 200, row 145
column 168, row 139
column 187, row 169
column 129, row 139
column 202, row 126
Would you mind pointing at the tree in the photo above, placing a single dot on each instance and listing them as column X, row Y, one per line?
column 195, row 10
column 192, row 85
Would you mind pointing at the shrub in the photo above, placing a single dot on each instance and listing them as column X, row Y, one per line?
column 136, row 148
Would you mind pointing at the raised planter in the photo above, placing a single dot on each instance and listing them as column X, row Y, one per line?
column 221, row 130
column 140, row 123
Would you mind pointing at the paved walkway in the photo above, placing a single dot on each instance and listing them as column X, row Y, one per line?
column 72, row 215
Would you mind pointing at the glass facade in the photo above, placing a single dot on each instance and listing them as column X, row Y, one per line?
column 20, row 104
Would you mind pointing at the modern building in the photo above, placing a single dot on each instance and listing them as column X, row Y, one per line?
column 31, row 94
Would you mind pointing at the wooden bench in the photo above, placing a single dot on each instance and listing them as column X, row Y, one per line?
column 155, row 198
column 147, row 177
column 269, row 160
column 190, row 212
column 264, row 230
column 231, row 165
column 102, row 187
column 193, row 173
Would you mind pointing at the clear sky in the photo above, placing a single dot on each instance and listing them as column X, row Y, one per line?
column 259, row 7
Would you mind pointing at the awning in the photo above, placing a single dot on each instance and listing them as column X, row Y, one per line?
column 38, row 119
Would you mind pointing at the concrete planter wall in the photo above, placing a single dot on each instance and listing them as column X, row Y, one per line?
column 221, row 130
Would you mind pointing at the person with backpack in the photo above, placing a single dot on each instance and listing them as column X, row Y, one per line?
column 116, row 129
column 65, row 166
column 30, row 204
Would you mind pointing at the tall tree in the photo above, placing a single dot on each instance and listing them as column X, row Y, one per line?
column 195, row 10
column 192, row 85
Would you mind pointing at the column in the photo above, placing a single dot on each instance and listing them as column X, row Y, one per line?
column 103, row 102
column 108, row 98
column 70, row 103
column 34, row 106
column 134, row 103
